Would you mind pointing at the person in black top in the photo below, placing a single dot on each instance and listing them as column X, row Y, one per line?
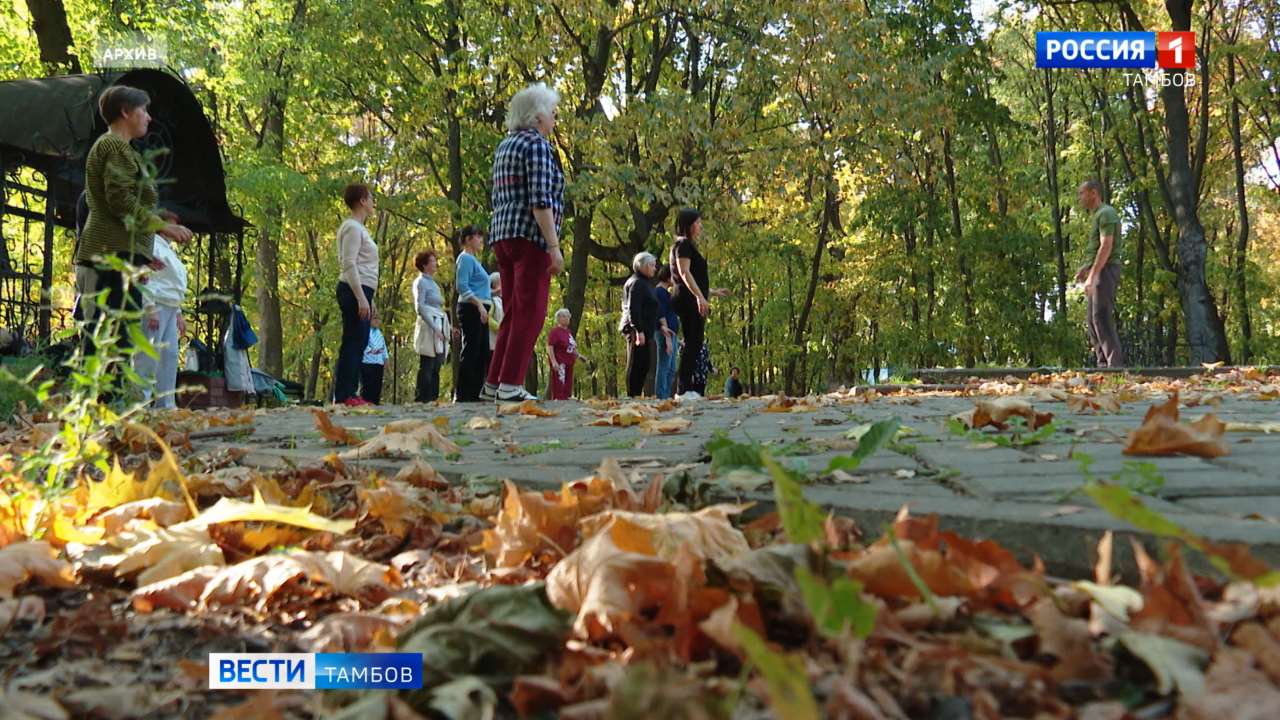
column 733, row 386
column 692, row 296
column 639, row 320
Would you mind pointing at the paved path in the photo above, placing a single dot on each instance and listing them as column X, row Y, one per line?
column 1019, row 497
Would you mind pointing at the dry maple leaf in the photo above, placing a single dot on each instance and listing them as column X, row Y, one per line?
column 669, row 426
column 629, row 563
column 1068, row 640
column 263, row 578
column 179, row 593
column 1161, row 433
column 626, row 416
column 1081, row 404
column 996, row 412
column 480, row 422
column 164, row 553
column 397, row 505
column 353, row 632
column 539, row 521
column 160, row 511
column 35, row 559
column 403, row 438
column 420, row 474
column 333, row 433
column 528, row 407
column 1234, row 688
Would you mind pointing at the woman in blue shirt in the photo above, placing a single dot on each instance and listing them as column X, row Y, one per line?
column 473, row 316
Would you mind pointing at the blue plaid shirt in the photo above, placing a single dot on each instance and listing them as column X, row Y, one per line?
column 526, row 176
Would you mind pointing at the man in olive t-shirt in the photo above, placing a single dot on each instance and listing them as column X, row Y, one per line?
column 1101, row 276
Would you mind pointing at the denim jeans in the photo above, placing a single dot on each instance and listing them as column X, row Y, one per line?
column 665, row 380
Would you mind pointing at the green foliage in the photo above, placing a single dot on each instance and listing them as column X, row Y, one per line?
column 801, row 519
column 728, row 455
column 16, row 393
column 879, row 435
column 837, row 607
column 784, row 676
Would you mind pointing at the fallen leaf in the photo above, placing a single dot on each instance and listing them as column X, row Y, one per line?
column 1095, row 404
column 403, row 438
column 480, row 422
column 1161, row 433
column 1174, row 664
column 495, row 634
column 627, row 563
column 1069, row 641
column 164, row 553
column 995, row 412
column 1234, row 688
column 668, row 426
column 351, row 632
column 333, row 433
column 160, row 511
column 232, row 510
column 36, row 559
column 1262, row 427
column 420, row 474
column 528, row 407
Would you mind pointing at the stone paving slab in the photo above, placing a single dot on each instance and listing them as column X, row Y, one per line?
column 1021, row 496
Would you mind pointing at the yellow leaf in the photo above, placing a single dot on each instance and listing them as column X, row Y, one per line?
column 331, row 432
column 669, row 426
column 480, row 422
column 65, row 530
column 118, row 488
column 164, row 553
column 232, row 510
column 271, row 536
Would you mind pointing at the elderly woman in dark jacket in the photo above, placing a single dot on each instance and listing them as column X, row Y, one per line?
column 639, row 320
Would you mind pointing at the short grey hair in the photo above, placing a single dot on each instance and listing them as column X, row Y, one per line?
column 494, row 277
column 641, row 259
column 1093, row 185
column 563, row 311
column 526, row 105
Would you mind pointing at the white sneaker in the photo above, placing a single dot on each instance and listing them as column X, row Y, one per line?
column 690, row 396
column 488, row 393
column 517, row 395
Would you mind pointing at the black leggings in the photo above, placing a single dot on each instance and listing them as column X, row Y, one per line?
column 694, row 327
column 637, row 364
column 428, row 389
column 355, row 336
column 371, row 382
column 473, row 361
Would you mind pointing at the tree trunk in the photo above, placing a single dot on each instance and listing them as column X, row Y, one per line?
column 1206, row 341
column 49, row 21
column 1055, row 196
column 1242, row 238
column 830, row 219
column 972, row 334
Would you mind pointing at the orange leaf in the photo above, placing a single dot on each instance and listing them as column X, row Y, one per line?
column 1161, row 433
column 333, row 433
column 24, row 561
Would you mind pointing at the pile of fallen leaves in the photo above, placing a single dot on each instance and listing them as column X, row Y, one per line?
column 606, row 598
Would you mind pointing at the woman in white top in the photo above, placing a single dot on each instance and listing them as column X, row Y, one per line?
column 431, row 329
column 163, row 293
column 357, row 281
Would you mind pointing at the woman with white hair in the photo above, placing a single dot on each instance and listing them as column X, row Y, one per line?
column 528, row 205
column 562, row 353
column 639, row 320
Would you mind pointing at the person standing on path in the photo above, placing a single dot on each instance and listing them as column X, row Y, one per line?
column 164, row 292
column 431, row 328
column 1101, row 277
column 373, row 364
column 639, row 320
column 692, row 298
column 668, row 337
column 474, row 303
column 357, row 281
column 528, row 206
column 123, row 215
column 562, row 353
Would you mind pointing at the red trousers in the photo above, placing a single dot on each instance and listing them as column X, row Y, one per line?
column 525, row 286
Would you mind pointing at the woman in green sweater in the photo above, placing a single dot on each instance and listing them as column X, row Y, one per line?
column 123, row 215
